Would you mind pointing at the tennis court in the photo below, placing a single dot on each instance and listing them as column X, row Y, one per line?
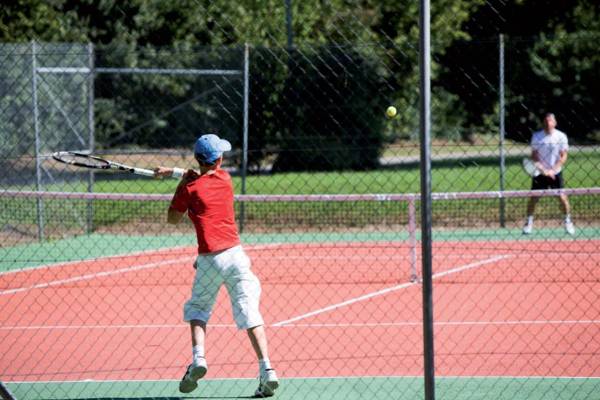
column 513, row 317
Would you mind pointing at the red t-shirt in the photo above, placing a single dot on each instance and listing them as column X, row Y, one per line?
column 208, row 201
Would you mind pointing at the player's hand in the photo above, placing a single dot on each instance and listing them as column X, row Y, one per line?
column 190, row 175
column 550, row 174
column 160, row 172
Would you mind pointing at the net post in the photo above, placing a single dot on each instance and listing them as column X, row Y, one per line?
column 5, row 393
column 412, row 239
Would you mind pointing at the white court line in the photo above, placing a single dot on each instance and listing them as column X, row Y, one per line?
column 390, row 289
column 107, row 273
column 59, row 264
column 103, row 327
column 371, row 256
column 316, row 325
column 96, row 275
column 177, row 249
column 445, row 323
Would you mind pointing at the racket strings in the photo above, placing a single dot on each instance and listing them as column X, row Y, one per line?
column 530, row 167
column 83, row 160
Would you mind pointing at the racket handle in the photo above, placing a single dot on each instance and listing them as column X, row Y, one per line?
column 142, row 171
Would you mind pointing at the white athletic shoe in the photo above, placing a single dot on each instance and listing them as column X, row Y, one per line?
column 189, row 382
column 569, row 227
column 527, row 228
column 268, row 383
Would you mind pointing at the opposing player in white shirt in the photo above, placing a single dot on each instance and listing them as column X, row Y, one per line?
column 549, row 148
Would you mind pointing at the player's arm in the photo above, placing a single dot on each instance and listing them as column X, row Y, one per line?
column 174, row 216
column 562, row 159
column 178, row 206
column 166, row 172
column 536, row 159
column 535, row 156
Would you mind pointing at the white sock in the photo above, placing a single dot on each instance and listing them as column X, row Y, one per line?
column 197, row 354
column 529, row 219
column 264, row 364
column 567, row 217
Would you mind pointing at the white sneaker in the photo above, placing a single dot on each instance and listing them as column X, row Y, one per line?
column 527, row 229
column 569, row 227
column 192, row 374
column 268, row 383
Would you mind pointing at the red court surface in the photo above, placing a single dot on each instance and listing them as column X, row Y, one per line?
column 332, row 309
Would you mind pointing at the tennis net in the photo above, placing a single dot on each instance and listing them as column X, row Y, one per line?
column 351, row 239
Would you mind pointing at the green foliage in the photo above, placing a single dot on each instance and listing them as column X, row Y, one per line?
column 552, row 64
column 334, row 98
column 559, row 70
column 165, row 111
column 569, row 62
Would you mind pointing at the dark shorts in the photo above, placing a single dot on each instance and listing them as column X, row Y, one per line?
column 544, row 182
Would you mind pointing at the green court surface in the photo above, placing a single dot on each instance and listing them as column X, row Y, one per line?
column 340, row 388
column 102, row 245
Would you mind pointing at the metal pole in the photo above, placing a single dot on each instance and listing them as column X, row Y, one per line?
column 5, row 394
column 36, row 128
column 501, row 106
column 245, row 140
column 288, row 23
column 426, row 239
column 91, row 132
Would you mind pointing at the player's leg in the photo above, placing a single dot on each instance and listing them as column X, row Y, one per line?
column 537, row 183
column 531, row 203
column 198, row 368
column 566, row 209
column 198, row 330
column 244, row 292
column 197, row 311
column 268, row 381
column 564, row 205
column 258, row 339
column 528, row 226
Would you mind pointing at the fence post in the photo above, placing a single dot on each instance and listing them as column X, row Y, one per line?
column 36, row 128
column 5, row 394
column 426, row 239
column 501, row 106
column 245, row 133
column 288, row 23
column 91, row 137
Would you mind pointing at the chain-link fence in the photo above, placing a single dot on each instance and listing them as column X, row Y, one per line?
column 93, row 280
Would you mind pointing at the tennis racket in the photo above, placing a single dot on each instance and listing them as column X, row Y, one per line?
column 94, row 162
column 530, row 167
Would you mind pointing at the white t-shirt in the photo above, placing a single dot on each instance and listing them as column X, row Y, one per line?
column 549, row 146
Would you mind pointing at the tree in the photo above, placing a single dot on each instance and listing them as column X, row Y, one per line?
column 383, row 32
column 334, row 118
column 551, row 65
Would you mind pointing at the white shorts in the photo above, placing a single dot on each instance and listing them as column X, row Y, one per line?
column 232, row 268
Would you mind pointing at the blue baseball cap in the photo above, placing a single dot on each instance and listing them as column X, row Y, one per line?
column 210, row 147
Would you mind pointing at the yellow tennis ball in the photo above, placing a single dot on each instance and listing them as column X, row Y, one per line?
column 391, row 112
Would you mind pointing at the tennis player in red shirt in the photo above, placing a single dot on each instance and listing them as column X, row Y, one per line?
column 207, row 197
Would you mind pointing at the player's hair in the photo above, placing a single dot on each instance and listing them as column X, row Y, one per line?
column 548, row 114
column 204, row 163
